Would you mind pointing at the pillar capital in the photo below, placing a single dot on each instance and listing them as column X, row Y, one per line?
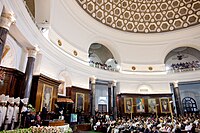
column 114, row 83
column 32, row 52
column 7, row 18
column 93, row 79
column 175, row 84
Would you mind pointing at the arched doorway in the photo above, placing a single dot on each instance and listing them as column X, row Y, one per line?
column 189, row 105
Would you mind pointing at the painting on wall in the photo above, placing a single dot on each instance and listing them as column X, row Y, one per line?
column 80, row 100
column 128, row 104
column 47, row 97
column 62, row 89
column 152, row 105
column 164, row 105
column 140, row 108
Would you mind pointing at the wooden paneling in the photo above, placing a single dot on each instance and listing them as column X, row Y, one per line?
column 57, row 123
column 11, row 85
column 37, row 90
column 120, row 102
column 71, row 93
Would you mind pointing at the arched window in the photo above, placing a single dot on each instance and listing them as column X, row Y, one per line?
column 189, row 105
column 182, row 59
column 101, row 57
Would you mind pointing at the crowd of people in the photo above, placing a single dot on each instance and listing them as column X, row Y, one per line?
column 16, row 113
column 185, row 66
column 102, row 66
column 140, row 124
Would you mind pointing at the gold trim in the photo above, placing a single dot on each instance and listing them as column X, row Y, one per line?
column 162, row 104
column 50, row 87
column 59, row 43
column 137, row 104
column 133, row 68
column 150, row 68
column 125, row 103
column 75, row 53
column 83, row 95
column 149, row 108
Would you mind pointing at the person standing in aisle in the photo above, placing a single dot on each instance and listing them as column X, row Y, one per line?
column 1, row 109
column 15, row 118
column 23, row 112
column 9, row 114
column 4, row 110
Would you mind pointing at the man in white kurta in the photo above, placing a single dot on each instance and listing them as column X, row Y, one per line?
column 4, row 110
column 15, row 117
column 25, row 103
column 9, row 114
column 1, row 109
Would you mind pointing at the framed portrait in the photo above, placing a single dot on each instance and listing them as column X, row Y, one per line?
column 140, row 108
column 80, row 100
column 152, row 105
column 47, row 97
column 62, row 89
column 128, row 105
column 164, row 105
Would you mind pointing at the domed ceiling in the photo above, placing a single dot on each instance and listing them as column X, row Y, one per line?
column 144, row 16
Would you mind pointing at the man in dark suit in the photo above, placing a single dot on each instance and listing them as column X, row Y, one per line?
column 44, row 112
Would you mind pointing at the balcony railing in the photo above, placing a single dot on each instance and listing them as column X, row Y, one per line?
column 103, row 66
column 184, row 67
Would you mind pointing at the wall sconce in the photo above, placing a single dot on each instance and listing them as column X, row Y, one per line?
column 75, row 53
column 150, row 68
column 133, row 68
column 59, row 43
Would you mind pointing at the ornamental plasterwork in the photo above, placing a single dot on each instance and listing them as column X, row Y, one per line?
column 144, row 16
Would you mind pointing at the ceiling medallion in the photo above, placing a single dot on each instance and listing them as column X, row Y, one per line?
column 151, row 16
column 75, row 53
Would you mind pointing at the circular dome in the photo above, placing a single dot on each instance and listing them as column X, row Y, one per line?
column 144, row 16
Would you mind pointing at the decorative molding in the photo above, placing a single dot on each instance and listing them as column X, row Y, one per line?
column 32, row 53
column 175, row 84
column 93, row 79
column 7, row 18
column 114, row 83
